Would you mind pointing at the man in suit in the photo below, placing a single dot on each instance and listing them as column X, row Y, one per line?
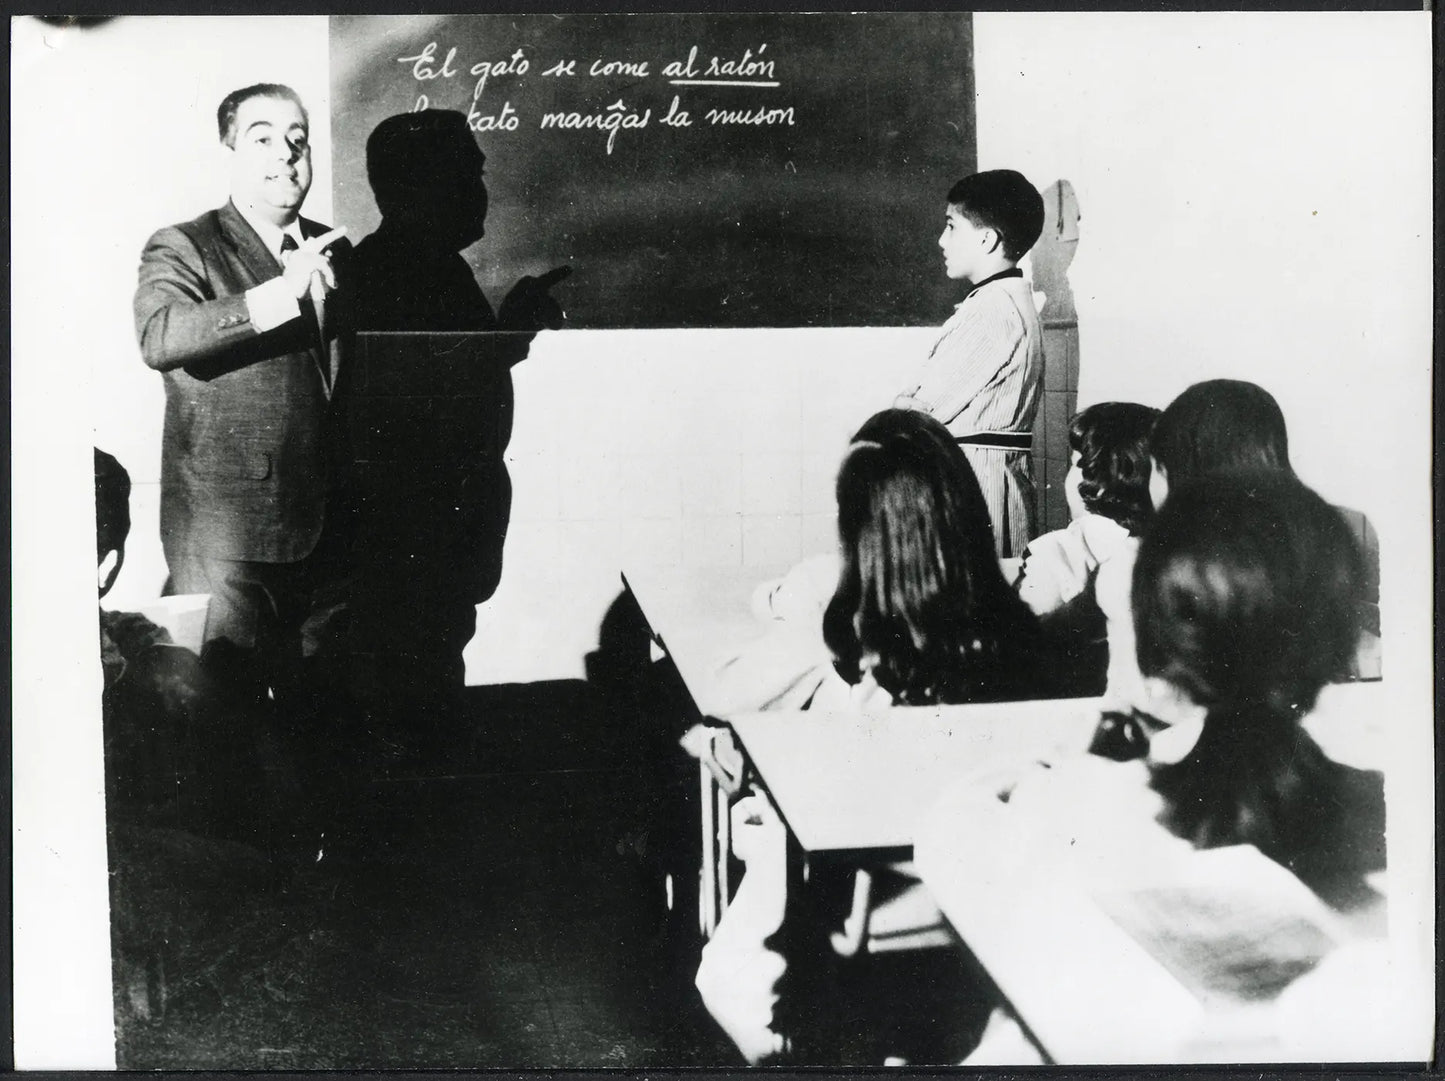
column 231, row 309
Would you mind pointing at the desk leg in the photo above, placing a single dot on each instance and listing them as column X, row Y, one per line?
column 724, row 847
column 707, row 896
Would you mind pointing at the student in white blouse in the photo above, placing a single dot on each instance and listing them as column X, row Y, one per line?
column 1083, row 570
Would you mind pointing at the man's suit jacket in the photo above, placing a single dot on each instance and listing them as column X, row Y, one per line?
column 249, row 441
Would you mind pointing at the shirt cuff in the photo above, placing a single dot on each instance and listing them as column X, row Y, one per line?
column 271, row 304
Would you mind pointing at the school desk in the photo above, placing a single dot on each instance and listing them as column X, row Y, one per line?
column 1092, row 992
column 698, row 616
column 1097, row 978
column 855, row 785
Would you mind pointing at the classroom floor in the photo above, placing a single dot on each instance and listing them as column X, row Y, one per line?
column 490, row 910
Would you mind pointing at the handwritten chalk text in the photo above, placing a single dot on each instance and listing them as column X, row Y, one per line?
column 618, row 67
column 758, row 117
column 506, row 120
column 752, row 69
column 676, row 118
column 515, row 65
column 616, row 117
column 423, row 63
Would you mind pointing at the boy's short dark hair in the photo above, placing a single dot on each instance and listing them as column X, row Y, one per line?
column 1112, row 441
column 1220, row 426
column 232, row 102
column 1004, row 201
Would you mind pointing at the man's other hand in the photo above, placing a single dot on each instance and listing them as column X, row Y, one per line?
column 530, row 307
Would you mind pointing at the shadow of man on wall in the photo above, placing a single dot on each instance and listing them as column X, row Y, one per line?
column 429, row 495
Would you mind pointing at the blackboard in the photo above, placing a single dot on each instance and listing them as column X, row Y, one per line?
column 807, row 190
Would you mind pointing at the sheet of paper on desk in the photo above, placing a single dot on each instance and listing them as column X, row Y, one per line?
column 1235, row 928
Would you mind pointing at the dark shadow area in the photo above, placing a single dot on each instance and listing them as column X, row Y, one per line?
column 294, row 896
column 427, row 497
column 648, row 709
column 478, row 911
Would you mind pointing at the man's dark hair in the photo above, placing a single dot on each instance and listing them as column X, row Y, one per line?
column 1220, row 426
column 1004, row 201
column 1112, row 441
column 231, row 104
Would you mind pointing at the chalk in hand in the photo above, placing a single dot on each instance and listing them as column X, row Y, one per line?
column 324, row 241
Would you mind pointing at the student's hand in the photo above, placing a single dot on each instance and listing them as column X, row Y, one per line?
column 529, row 307
column 308, row 268
column 758, row 833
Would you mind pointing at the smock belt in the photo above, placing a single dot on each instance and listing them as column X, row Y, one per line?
column 997, row 440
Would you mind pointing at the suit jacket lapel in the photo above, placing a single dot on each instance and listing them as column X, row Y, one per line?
column 250, row 249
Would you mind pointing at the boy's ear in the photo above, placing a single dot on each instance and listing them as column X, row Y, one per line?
column 991, row 240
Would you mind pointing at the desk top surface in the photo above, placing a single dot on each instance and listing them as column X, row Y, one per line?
column 850, row 782
column 700, row 615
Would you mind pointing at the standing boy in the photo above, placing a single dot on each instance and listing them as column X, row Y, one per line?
column 982, row 376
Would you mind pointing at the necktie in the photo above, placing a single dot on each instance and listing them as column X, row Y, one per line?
column 313, row 309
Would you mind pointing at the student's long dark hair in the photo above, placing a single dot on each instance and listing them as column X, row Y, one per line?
column 1112, row 442
column 1244, row 597
column 921, row 595
column 1220, row 426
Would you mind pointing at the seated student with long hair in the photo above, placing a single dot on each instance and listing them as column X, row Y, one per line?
column 1229, row 426
column 914, row 609
column 1077, row 578
column 1218, row 426
column 1244, row 608
column 921, row 615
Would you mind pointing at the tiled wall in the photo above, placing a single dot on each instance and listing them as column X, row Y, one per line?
column 1051, row 430
column 696, row 448
column 1049, row 263
column 693, row 448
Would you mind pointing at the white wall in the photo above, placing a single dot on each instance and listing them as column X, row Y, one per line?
column 1254, row 200
column 1254, row 192
column 112, row 135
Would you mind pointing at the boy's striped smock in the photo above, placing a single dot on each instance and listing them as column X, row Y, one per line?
column 982, row 376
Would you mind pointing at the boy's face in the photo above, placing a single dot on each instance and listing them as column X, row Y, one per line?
column 1072, row 481
column 962, row 244
column 1158, row 483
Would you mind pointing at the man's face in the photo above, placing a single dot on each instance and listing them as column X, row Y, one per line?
column 271, row 158
column 962, row 243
